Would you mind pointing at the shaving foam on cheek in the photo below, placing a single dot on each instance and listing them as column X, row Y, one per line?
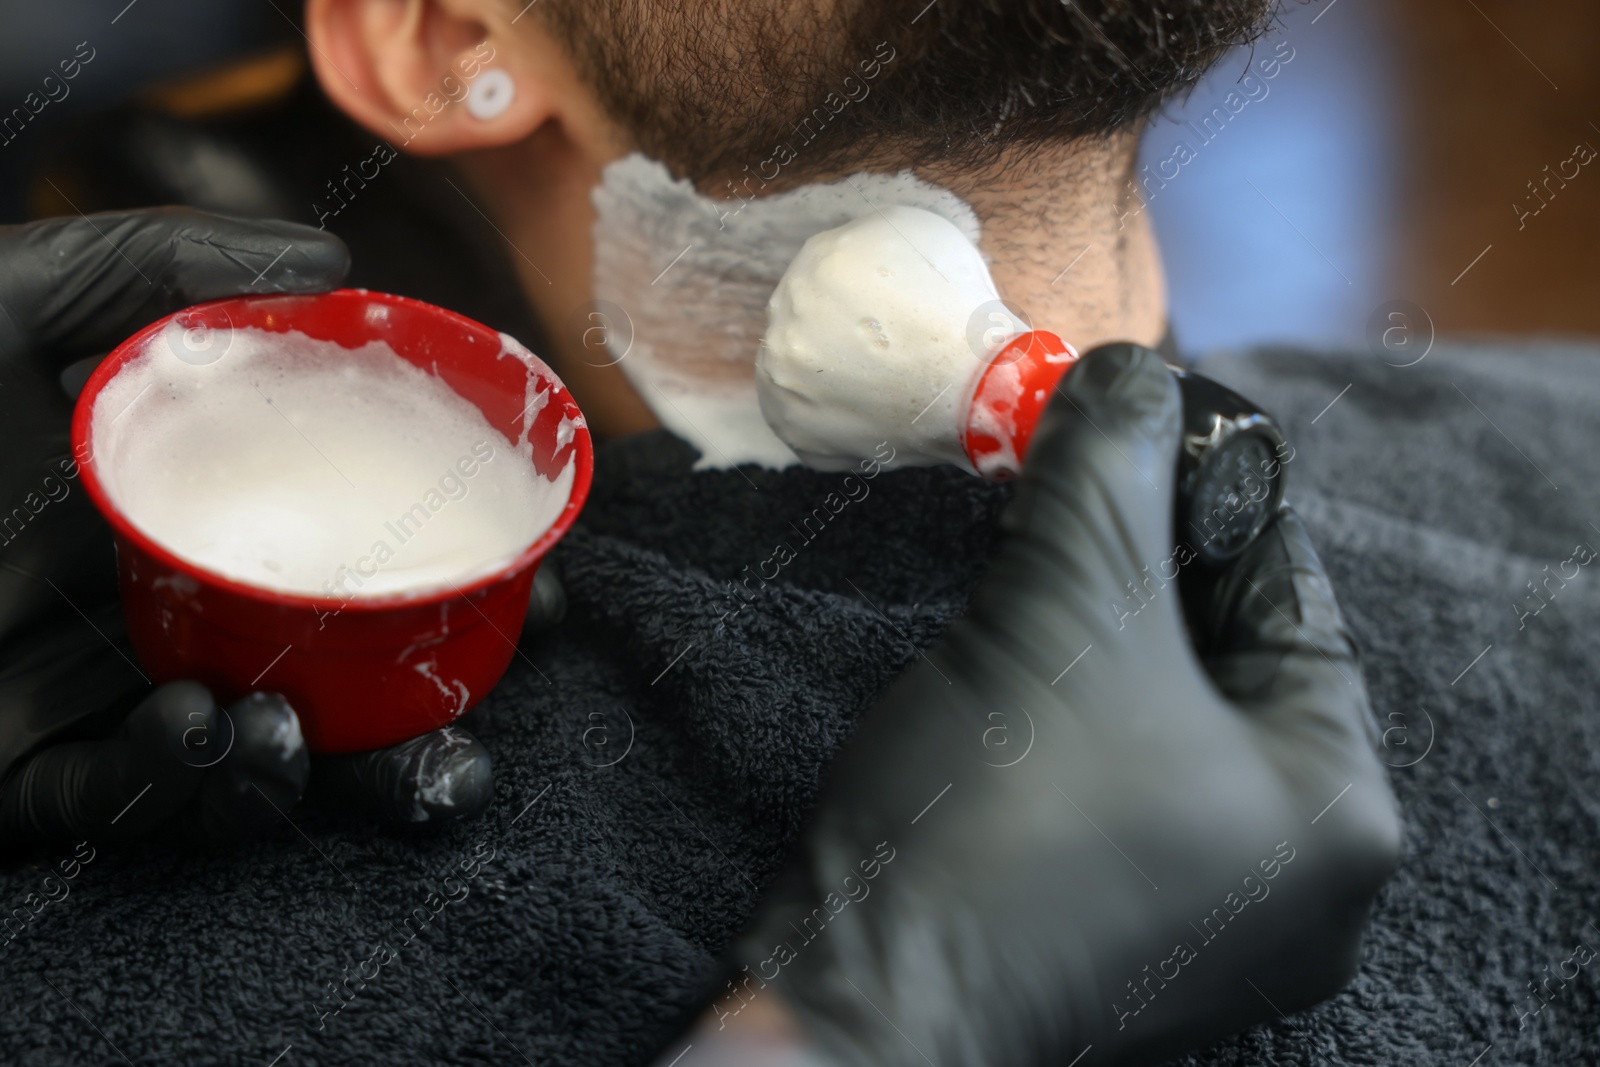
column 304, row 467
column 695, row 274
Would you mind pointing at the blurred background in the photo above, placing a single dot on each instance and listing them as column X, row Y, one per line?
column 1400, row 155
column 1426, row 151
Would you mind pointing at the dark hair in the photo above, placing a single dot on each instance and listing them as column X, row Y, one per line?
column 711, row 85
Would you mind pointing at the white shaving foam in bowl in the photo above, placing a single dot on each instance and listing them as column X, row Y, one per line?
column 300, row 466
column 694, row 275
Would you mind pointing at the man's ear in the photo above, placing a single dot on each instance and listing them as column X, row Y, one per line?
column 403, row 69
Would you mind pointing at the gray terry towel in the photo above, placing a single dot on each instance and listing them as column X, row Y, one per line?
column 656, row 757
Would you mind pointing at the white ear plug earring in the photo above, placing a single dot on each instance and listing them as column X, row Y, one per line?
column 490, row 95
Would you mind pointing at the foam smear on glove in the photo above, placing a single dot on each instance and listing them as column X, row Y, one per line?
column 304, row 467
column 878, row 332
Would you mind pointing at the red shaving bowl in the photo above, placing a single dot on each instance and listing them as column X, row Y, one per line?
column 363, row 673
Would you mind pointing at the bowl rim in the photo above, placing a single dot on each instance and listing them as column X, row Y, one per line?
column 127, row 350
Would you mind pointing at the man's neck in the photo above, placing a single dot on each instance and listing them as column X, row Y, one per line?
column 1065, row 248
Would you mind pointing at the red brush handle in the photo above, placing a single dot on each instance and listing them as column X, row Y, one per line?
column 1011, row 394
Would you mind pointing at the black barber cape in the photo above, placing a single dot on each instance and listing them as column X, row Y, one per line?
column 656, row 756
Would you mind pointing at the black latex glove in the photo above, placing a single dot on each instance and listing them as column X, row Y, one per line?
column 1181, row 845
column 75, row 762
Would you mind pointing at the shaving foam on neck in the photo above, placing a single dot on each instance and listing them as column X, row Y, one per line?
column 695, row 275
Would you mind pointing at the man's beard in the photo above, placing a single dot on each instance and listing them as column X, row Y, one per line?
column 794, row 89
